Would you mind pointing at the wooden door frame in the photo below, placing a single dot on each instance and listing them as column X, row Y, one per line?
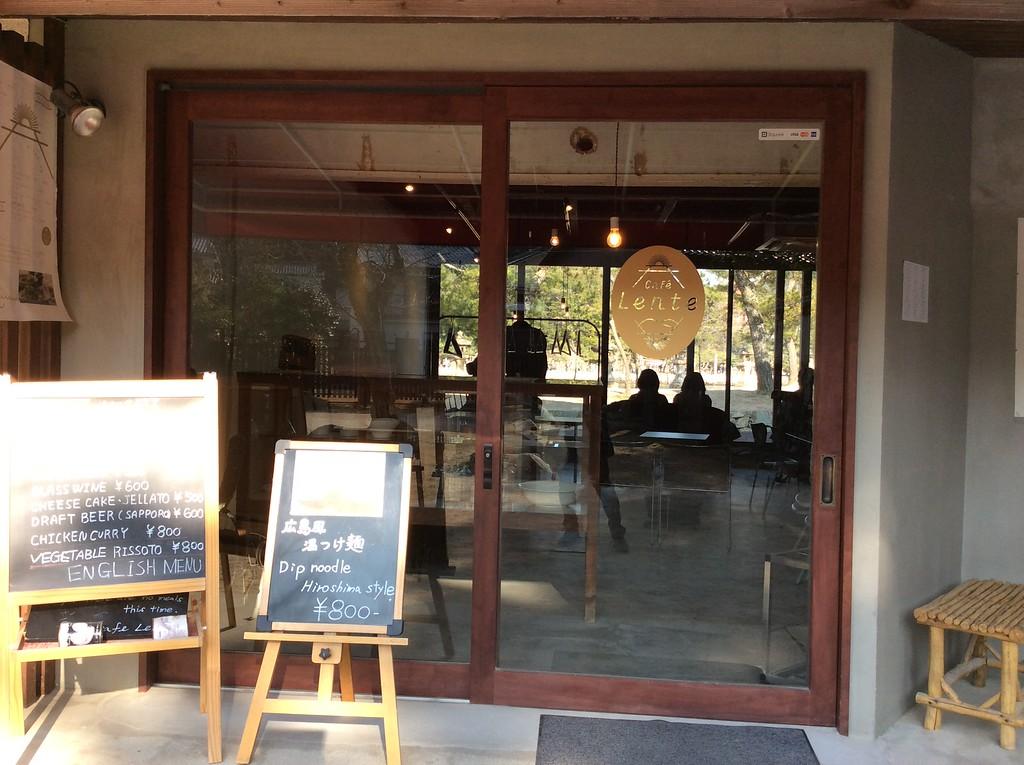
column 835, row 99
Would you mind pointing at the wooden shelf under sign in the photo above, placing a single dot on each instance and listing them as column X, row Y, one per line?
column 111, row 648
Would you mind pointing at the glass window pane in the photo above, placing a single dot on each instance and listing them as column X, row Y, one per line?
column 639, row 502
column 335, row 290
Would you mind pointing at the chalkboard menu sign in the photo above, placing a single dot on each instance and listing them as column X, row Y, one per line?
column 337, row 537
column 106, row 491
column 109, row 519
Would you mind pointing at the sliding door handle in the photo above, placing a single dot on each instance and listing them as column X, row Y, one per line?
column 488, row 466
column 828, row 480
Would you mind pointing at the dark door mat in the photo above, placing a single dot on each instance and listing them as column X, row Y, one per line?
column 601, row 741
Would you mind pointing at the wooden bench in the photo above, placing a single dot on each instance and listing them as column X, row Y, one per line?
column 987, row 610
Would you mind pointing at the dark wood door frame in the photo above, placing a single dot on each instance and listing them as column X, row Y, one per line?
column 834, row 99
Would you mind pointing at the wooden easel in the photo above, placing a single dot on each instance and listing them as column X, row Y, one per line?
column 17, row 604
column 330, row 651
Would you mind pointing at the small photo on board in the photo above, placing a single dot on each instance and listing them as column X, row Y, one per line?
column 79, row 633
column 169, row 627
column 36, row 287
column 339, row 484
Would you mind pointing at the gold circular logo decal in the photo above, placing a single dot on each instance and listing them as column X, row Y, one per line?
column 657, row 302
column 47, row 236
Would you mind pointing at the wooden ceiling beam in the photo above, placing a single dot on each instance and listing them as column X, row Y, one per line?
column 525, row 10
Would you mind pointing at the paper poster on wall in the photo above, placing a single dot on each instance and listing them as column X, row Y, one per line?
column 915, row 292
column 29, row 287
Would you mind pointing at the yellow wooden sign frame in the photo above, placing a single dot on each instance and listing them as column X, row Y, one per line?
column 16, row 606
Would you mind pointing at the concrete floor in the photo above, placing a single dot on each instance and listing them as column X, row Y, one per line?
column 164, row 726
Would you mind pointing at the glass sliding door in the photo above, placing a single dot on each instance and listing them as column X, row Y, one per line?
column 334, row 290
column 666, row 533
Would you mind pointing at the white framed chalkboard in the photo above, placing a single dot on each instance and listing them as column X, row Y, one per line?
column 108, row 485
column 337, row 535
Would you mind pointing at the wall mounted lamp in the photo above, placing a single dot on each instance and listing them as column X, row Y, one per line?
column 86, row 115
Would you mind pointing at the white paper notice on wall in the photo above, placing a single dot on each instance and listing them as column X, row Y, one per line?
column 1018, row 360
column 29, row 287
column 915, row 292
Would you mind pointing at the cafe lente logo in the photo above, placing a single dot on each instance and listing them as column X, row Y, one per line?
column 658, row 302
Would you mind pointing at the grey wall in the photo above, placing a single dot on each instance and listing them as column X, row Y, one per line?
column 925, row 401
column 104, row 202
column 994, row 497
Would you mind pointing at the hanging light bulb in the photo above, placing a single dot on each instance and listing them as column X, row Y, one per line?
column 554, row 240
column 410, row 188
column 614, row 238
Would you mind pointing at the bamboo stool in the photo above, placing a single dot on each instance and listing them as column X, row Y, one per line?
column 986, row 610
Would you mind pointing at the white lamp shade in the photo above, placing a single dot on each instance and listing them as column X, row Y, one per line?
column 86, row 119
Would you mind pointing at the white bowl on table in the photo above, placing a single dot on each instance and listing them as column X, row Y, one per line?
column 550, row 493
column 381, row 428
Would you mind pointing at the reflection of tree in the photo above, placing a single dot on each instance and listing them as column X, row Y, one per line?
column 369, row 276
column 626, row 362
column 243, row 331
column 756, row 291
column 460, row 296
column 332, row 292
column 346, row 297
column 713, row 330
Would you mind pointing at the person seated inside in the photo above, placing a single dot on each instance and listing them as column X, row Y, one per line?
column 648, row 409
column 692, row 404
column 695, row 414
column 794, row 410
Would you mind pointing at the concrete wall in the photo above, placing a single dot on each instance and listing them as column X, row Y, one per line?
column 104, row 231
column 993, row 515
column 925, row 401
